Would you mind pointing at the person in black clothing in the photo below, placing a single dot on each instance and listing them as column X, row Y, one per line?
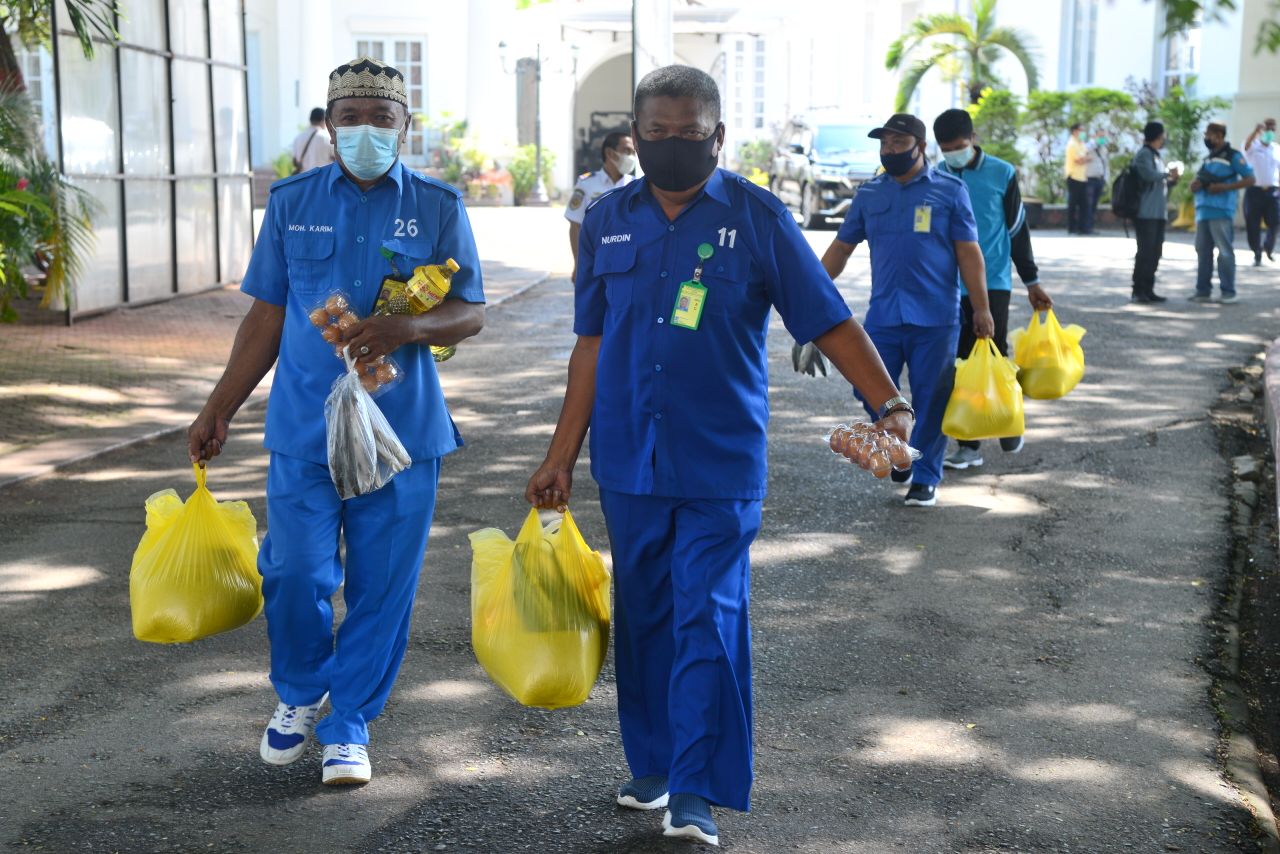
column 1153, row 212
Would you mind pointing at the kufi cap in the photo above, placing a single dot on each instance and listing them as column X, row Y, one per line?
column 367, row 78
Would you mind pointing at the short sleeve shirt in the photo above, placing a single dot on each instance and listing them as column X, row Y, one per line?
column 912, row 230
column 323, row 234
column 1225, row 166
column 590, row 187
column 1263, row 160
column 683, row 412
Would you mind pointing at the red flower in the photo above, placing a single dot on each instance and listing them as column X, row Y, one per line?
column 23, row 183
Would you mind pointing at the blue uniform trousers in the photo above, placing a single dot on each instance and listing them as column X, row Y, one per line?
column 929, row 355
column 386, row 537
column 682, row 643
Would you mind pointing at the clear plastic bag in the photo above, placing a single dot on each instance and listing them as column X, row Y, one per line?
column 539, row 611
column 195, row 571
column 364, row 452
column 333, row 316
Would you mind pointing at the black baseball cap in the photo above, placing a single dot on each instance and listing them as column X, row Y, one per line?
column 901, row 123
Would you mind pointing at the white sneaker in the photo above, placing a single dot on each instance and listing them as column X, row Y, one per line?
column 345, row 764
column 287, row 734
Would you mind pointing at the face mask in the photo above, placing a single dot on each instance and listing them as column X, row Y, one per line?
column 625, row 163
column 958, row 159
column 368, row 152
column 1102, row 140
column 1208, row 143
column 1268, row 136
column 899, row 164
column 674, row 164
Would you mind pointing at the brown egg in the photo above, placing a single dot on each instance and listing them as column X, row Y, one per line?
column 879, row 464
column 900, row 456
column 319, row 317
column 385, row 373
column 347, row 319
column 332, row 334
column 336, row 304
column 369, row 381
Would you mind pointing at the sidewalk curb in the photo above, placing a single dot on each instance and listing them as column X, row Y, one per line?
column 258, row 399
column 1241, row 762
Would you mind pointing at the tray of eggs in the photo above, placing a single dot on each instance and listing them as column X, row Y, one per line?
column 868, row 447
column 333, row 318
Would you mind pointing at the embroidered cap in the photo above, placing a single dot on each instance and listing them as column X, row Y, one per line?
column 367, row 78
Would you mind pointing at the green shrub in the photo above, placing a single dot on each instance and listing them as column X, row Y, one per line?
column 522, row 172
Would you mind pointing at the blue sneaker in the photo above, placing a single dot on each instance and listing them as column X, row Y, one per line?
column 344, row 764
column 689, row 816
column 287, row 734
column 644, row 793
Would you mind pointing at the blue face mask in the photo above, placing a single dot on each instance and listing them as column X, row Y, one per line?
column 368, row 152
column 958, row 159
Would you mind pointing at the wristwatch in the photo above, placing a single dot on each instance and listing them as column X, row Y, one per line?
column 897, row 403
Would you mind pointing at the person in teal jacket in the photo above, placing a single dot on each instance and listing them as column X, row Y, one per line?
column 1005, row 240
column 1222, row 175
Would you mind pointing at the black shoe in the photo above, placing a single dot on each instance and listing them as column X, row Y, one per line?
column 1011, row 445
column 1141, row 299
column 903, row 476
column 1155, row 297
column 1270, row 257
column 1257, row 259
column 920, row 495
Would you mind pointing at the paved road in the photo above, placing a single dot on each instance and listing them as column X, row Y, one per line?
column 1012, row 670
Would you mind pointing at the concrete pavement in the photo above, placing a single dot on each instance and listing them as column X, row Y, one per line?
column 1014, row 670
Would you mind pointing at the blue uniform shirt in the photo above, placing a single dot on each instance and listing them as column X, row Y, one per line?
column 322, row 233
column 911, row 230
column 682, row 413
column 1225, row 166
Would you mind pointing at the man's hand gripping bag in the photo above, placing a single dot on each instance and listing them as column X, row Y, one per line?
column 195, row 570
column 539, row 611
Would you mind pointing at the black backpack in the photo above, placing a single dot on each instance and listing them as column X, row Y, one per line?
column 1126, row 194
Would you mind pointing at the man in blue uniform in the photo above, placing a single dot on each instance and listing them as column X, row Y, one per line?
column 345, row 227
column 677, row 273
column 1003, row 235
column 924, row 241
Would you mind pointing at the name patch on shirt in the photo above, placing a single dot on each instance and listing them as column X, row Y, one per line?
column 615, row 238
column 326, row 229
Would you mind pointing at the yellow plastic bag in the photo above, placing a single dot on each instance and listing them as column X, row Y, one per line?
column 539, row 611
column 986, row 402
column 195, row 571
column 1049, row 356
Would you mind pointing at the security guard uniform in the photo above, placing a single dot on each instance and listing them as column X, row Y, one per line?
column 914, row 315
column 591, row 186
column 678, row 449
column 324, row 233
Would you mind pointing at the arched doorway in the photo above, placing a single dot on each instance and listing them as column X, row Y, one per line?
column 603, row 105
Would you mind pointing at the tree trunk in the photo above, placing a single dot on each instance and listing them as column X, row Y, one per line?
column 11, row 79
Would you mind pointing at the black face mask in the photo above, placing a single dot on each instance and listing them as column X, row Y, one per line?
column 675, row 164
column 899, row 164
column 1208, row 143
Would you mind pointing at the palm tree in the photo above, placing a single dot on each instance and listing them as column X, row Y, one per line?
column 954, row 40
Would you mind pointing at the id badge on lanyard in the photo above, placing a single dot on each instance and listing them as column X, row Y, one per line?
column 691, row 298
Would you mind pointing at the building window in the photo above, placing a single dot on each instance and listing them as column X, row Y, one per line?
column 1084, row 40
column 748, row 91
column 408, row 56
column 37, row 73
column 1181, row 60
